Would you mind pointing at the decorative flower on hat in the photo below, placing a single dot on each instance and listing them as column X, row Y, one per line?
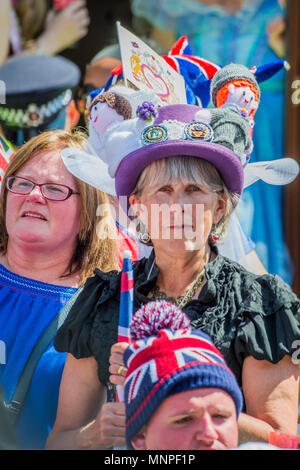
column 107, row 110
column 146, row 111
column 121, row 154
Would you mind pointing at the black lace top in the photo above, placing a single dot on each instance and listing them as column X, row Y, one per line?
column 245, row 314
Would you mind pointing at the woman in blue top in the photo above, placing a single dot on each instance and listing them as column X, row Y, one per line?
column 244, row 32
column 48, row 247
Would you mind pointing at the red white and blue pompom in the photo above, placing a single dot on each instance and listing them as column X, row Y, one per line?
column 156, row 316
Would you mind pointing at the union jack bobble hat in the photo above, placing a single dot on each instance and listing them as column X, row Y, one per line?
column 167, row 357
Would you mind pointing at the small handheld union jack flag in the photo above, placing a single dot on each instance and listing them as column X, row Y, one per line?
column 126, row 299
column 126, row 306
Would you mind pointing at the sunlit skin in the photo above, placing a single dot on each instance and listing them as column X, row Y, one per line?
column 192, row 210
column 179, row 233
column 34, row 222
column 200, row 419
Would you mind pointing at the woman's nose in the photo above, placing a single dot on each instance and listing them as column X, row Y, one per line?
column 36, row 195
column 178, row 197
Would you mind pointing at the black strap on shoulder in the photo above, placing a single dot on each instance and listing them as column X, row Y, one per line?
column 16, row 404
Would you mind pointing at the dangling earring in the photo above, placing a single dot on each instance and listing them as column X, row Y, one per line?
column 142, row 232
column 214, row 237
column 144, row 237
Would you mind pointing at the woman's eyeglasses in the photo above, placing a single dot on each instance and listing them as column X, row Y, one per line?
column 51, row 191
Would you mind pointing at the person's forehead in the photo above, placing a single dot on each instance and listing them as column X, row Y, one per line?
column 46, row 165
column 163, row 170
column 197, row 399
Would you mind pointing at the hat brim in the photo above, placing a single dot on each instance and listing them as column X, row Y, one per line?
column 226, row 162
column 88, row 168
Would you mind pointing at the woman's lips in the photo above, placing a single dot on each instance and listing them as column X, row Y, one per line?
column 34, row 215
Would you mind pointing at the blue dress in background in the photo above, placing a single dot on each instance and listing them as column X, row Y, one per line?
column 241, row 38
column 26, row 309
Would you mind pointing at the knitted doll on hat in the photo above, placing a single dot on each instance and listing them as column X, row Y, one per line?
column 167, row 357
column 106, row 109
column 114, row 105
column 235, row 86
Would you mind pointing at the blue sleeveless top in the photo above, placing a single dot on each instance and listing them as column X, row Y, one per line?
column 26, row 309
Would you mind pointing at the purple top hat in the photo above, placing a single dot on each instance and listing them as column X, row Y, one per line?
column 220, row 136
column 114, row 161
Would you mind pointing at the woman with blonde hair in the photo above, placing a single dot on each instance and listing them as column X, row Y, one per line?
column 49, row 245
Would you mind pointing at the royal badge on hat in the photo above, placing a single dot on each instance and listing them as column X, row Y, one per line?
column 127, row 147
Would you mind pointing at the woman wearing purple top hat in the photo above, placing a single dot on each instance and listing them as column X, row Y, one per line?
column 181, row 175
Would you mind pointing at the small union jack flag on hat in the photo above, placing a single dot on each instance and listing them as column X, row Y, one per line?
column 196, row 71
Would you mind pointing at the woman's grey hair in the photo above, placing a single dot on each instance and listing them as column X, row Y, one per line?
column 189, row 169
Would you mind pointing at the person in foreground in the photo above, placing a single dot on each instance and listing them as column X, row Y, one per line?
column 188, row 161
column 179, row 392
column 48, row 247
